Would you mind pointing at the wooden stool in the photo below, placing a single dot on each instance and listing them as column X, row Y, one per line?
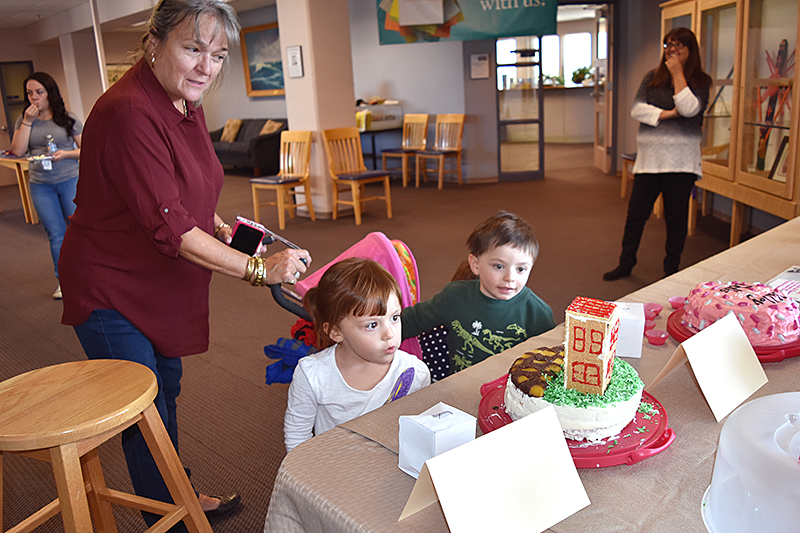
column 627, row 163
column 62, row 413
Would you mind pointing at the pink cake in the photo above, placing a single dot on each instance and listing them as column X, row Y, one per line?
column 769, row 317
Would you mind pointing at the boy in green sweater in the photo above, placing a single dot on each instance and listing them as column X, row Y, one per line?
column 488, row 315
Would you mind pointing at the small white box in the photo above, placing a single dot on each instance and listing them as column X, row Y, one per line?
column 439, row 429
column 631, row 329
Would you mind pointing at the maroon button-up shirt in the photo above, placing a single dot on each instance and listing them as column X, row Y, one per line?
column 148, row 174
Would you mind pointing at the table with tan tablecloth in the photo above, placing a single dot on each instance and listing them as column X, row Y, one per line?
column 347, row 479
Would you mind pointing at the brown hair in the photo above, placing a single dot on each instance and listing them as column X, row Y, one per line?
column 692, row 70
column 54, row 99
column 501, row 229
column 354, row 286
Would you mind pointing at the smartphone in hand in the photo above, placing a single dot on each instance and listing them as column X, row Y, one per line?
column 247, row 236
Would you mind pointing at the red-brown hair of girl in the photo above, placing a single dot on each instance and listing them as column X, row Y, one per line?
column 354, row 286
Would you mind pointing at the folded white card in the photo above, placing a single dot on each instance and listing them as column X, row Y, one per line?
column 439, row 429
column 479, row 491
column 724, row 363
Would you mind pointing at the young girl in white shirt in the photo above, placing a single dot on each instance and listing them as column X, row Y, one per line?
column 356, row 311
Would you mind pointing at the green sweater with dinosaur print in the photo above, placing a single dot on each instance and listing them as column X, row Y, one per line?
column 478, row 326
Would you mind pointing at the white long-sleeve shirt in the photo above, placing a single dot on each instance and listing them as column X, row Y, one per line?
column 320, row 399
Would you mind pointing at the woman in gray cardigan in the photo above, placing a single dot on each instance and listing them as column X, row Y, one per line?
column 669, row 107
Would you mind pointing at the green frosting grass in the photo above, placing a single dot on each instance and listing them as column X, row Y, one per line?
column 625, row 382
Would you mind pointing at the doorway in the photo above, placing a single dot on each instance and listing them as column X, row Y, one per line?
column 557, row 89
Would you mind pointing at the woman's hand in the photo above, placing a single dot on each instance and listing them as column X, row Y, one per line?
column 31, row 113
column 58, row 155
column 668, row 114
column 675, row 67
column 286, row 266
column 225, row 234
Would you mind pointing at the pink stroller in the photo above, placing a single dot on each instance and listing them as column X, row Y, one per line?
column 394, row 255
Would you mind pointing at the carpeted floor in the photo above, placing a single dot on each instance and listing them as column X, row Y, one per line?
column 230, row 422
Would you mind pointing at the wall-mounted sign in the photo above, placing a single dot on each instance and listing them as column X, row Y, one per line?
column 465, row 20
column 294, row 56
column 479, row 66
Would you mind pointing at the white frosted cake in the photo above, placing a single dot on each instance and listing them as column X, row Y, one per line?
column 536, row 380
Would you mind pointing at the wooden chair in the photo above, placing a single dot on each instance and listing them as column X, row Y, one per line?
column 415, row 137
column 295, row 168
column 449, row 131
column 62, row 413
column 348, row 172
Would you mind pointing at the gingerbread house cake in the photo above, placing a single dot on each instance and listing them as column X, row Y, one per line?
column 592, row 328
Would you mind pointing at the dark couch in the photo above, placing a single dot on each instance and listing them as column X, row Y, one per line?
column 261, row 152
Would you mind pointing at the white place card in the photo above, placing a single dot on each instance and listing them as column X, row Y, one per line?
column 724, row 363
column 479, row 489
column 788, row 281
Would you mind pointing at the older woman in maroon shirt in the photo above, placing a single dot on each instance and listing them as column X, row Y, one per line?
column 137, row 259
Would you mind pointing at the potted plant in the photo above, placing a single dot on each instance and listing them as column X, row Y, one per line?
column 581, row 74
column 555, row 81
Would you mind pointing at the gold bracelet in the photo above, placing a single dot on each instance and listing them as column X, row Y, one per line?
column 259, row 280
column 251, row 265
column 217, row 228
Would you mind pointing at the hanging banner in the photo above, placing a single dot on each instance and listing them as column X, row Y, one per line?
column 411, row 21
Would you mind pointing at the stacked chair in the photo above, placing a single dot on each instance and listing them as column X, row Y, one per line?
column 447, row 144
column 348, row 172
column 415, row 135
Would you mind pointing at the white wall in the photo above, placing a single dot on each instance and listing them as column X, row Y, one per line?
column 230, row 100
column 425, row 77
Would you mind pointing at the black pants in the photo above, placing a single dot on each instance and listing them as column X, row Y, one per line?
column 677, row 189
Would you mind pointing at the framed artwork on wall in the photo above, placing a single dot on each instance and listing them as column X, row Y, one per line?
column 261, row 57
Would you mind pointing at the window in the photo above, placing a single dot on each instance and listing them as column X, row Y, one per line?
column 506, row 56
column 551, row 55
column 577, row 54
column 557, row 58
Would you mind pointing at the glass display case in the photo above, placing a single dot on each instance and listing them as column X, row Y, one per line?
column 769, row 42
column 750, row 135
column 717, row 39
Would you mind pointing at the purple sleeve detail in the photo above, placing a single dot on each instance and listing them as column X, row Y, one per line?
column 402, row 386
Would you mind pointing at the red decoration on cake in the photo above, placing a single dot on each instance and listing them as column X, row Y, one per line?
column 592, row 329
column 592, row 307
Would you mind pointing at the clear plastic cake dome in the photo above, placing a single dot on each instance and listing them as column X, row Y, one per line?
column 756, row 481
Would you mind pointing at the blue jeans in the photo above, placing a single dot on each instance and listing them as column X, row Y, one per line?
column 54, row 202
column 107, row 334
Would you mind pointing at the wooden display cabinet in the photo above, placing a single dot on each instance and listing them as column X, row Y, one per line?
column 750, row 135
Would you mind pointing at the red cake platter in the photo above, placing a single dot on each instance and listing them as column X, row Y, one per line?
column 765, row 354
column 645, row 436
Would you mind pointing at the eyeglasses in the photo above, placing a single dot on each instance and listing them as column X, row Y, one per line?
column 676, row 45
